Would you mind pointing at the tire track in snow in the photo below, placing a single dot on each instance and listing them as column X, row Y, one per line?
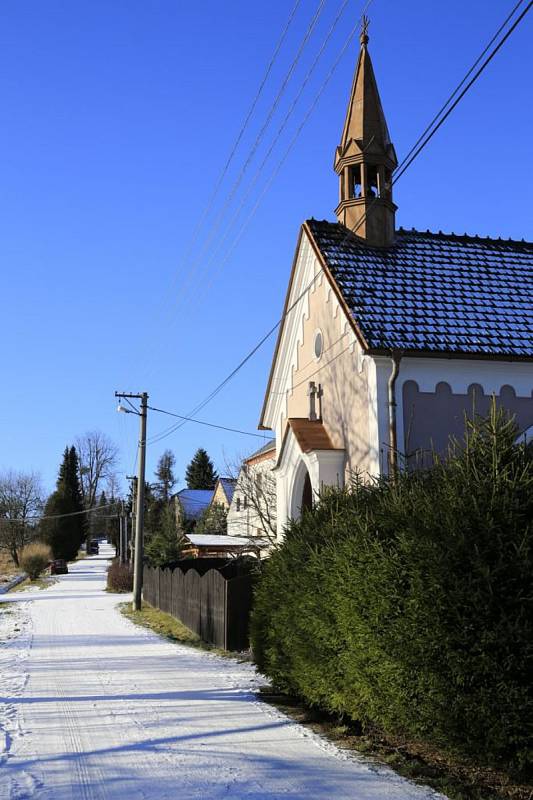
column 15, row 645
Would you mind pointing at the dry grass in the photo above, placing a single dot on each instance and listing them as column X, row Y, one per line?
column 7, row 567
column 44, row 582
column 119, row 577
column 455, row 777
column 170, row 628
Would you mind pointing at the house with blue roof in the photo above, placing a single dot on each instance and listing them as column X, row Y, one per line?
column 389, row 337
column 223, row 493
column 191, row 503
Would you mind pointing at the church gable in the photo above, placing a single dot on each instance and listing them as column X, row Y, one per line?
column 319, row 370
column 309, row 307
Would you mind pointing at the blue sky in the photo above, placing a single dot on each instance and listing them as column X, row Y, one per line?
column 115, row 122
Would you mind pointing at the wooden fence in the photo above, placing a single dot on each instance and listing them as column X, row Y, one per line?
column 215, row 607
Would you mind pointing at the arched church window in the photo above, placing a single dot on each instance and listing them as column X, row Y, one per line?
column 355, row 180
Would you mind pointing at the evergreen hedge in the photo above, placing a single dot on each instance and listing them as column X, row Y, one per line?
column 408, row 604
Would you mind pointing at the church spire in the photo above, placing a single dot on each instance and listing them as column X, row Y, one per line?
column 365, row 158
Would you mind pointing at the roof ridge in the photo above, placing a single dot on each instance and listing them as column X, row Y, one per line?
column 434, row 234
column 463, row 236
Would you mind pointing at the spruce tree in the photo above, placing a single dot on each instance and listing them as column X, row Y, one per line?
column 164, row 473
column 200, row 473
column 165, row 545
column 63, row 533
column 213, row 520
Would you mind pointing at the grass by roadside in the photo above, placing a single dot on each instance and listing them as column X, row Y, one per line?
column 7, row 565
column 454, row 777
column 170, row 628
column 41, row 583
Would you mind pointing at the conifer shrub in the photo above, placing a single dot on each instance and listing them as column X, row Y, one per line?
column 35, row 558
column 119, row 577
column 409, row 604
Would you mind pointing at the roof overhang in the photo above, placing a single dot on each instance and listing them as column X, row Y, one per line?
column 446, row 354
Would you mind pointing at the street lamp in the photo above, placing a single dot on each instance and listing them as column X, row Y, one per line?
column 139, row 517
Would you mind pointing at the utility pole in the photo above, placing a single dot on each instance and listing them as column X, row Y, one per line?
column 123, row 537
column 139, row 516
column 120, row 539
column 133, row 481
column 125, row 532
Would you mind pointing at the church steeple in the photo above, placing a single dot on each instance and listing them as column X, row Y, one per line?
column 365, row 159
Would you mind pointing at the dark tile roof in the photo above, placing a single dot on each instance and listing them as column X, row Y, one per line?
column 266, row 448
column 435, row 292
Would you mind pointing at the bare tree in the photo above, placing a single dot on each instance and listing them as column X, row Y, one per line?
column 21, row 500
column 256, row 491
column 113, row 487
column 97, row 456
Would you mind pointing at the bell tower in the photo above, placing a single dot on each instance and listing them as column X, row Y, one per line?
column 365, row 159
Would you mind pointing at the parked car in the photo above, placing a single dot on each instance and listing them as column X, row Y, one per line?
column 58, row 567
column 94, row 548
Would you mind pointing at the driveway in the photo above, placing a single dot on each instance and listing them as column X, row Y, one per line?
column 96, row 707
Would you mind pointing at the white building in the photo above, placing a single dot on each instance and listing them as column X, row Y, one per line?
column 252, row 512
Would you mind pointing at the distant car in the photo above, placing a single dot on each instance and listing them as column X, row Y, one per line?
column 94, row 548
column 58, row 567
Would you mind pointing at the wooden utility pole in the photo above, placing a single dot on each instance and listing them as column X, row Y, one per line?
column 133, row 480
column 139, row 516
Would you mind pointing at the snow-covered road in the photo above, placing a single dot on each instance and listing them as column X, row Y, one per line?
column 93, row 706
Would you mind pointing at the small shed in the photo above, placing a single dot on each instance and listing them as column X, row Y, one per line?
column 204, row 545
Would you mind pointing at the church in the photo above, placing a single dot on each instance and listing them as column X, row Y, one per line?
column 389, row 336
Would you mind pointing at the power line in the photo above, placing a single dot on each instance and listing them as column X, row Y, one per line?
column 58, row 516
column 220, row 216
column 322, row 366
column 221, row 385
column 283, row 125
column 248, row 117
column 128, row 401
column 291, row 145
column 457, row 88
column 281, row 163
column 248, row 433
column 404, row 167
column 413, row 155
column 209, row 424
column 241, row 132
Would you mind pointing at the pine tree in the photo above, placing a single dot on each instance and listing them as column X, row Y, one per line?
column 213, row 520
column 165, row 546
column 65, row 533
column 164, row 473
column 200, row 473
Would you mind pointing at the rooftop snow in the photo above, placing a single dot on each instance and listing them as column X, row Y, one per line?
column 221, row 540
column 434, row 292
